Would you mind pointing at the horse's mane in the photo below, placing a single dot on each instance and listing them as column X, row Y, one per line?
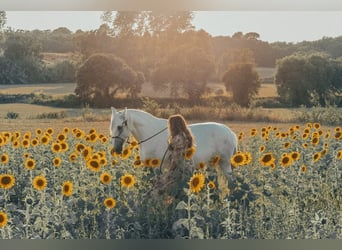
column 144, row 113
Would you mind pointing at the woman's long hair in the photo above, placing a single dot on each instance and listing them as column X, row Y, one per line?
column 177, row 126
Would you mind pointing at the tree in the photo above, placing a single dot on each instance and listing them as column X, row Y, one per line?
column 187, row 69
column 101, row 77
column 244, row 82
column 308, row 79
column 24, row 51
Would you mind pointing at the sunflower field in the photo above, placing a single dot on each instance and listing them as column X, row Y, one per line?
column 69, row 184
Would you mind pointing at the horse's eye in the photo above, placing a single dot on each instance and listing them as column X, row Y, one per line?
column 119, row 128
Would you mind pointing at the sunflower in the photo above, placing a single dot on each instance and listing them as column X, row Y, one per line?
column 126, row 153
column 240, row 137
column 147, row 162
column 137, row 162
column 315, row 141
column 92, row 131
column 79, row 134
column 286, row 160
column 339, row 155
column 34, row 142
column 94, row 165
column 103, row 161
column 67, row 188
column 324, row 152
column 87, row 151
column 39, row 182
column 61, row 137
column 201, row 165
column 30, row 164
column 7, row 181
column 105, row 178
column 216, row 160
column 248, row 158
column 25, row 143
column 57, row 161
column 189, row 153
column 4, row 159
column 44, row 140
column 316, row 125
column 303, row 168
column 16, row 135
column 196, row 182
column 155, row 162
column 50, row 131
column 316, row 157
column 262, row 148
column 338, row 135
column 80, row 147
column 267, row 159
column 39, row 131
column 109, row 203
column 3, row 219
column 56, row 147
column 295, row 156
column 127, row 180
column 66, row 130
column 253, row 132
column 93, row 137
column 287, row 144
column 211, row 185
column 104, row 140
column 64, row 146
column 238, row 159
column 73, row 157
column 27, row 135
column 305, row 136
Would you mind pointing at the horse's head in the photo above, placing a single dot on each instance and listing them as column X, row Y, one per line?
column 118, row 129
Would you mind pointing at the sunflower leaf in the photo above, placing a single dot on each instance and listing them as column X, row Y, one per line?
column 182, row 205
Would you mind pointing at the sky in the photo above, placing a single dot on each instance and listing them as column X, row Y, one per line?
column 285, row 26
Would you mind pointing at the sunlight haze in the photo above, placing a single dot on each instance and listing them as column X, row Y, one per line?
column 288, row 26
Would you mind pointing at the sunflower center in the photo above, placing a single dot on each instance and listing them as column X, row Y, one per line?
column 267, row 158
column 195, row 182
column 238, row 159
column 66, row 188
column 94, row 164
column 127, row 180
column 40, row 183
column 2, row 219
column 5, row 180
column 109, row 203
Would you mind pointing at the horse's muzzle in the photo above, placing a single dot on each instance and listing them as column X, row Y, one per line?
column 117, row 144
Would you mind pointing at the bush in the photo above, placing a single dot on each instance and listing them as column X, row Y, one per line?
column 51, row 115
column 330, row 115
column 12, row 115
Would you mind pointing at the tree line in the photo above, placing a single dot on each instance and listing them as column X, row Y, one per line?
column 130, row 48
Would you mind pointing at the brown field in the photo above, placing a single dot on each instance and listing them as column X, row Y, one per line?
column 54, row 89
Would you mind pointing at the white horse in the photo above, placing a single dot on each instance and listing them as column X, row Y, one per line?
column 152, row 134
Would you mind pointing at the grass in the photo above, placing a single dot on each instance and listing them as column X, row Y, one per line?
column 269, row 200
